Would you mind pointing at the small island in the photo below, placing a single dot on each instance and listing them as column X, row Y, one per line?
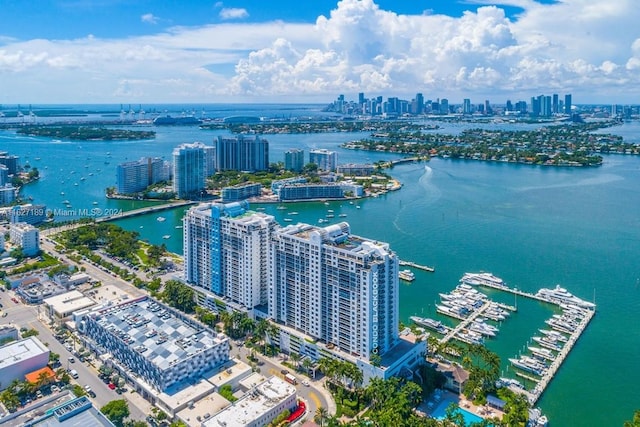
column 86, row 133
column 320, row 126
column 566, row 145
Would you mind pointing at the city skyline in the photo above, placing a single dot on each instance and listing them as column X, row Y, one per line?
column 244, row 51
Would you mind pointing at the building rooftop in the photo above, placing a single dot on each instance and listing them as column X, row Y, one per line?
column 76, row 412
column 255, row 403
column 202, row 409
column 337, row 235
column 228, row 373
column 69, row 302
column 34, row 377
column 154, row 331
column 17, row 351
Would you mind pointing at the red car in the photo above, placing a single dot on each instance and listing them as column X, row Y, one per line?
column 112, row 386
column 14, row 300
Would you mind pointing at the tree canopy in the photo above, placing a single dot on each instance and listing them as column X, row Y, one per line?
column 116, row 411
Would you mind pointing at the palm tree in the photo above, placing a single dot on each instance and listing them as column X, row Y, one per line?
column 260, row 331
column 43, row 379
column 321, row 415
column 295, row 358
column 306, row 364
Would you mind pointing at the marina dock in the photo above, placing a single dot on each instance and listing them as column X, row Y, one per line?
column 549, row 373
column 518, row 292
column 541, row 383
column 537, row 391
column 418, row 266
column 465, row 322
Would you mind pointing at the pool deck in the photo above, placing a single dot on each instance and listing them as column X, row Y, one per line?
column 429, row 405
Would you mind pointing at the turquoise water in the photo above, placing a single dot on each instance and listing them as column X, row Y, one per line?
column 532, row 226
column 441, row 411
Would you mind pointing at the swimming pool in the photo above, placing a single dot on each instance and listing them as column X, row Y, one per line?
column 441, row 410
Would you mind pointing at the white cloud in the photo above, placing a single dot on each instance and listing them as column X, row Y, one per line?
column 233, row 13
column 556, row 47
column 149, row 18
column 578, row 46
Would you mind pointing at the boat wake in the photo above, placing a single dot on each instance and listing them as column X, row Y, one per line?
column 428, row 193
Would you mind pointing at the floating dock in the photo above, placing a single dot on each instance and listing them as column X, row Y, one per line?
column 418, row 266
column 465, row 322
column 546, row 378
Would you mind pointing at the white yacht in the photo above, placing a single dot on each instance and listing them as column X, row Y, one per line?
column 528, row 364
column 482, row 279
column 560, row 295
column 555, row 335
column 542, row 353
column 407, row 275
column 436, row 325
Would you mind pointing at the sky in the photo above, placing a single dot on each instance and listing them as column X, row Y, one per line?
column 238, row 51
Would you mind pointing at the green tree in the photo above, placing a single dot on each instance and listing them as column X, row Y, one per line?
column 30, row 333
column 179, row 296
column 78, row 390
column 375, row 359
column 116, row 411
column 10, row 399
column 635, row 422
column 155, row 254
column 321, row 416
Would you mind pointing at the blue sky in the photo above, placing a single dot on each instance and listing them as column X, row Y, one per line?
column 68, row 19
column 133, row 51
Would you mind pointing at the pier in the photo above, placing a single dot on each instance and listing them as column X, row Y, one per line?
column 144, row 211
column 549, row 373
column 465, row 322
column 418, row 266
column 518, row 292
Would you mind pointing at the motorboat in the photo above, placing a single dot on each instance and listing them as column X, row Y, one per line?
column 555, row 335
column 528, row 364
column 542, row 353
column 426, row 322
column 482, row 279
column 560, row 295
column 407, row 275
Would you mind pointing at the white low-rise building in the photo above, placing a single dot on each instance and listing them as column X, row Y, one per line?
column 26, row 236
column 258, row 407
column 18, row 358
column 62, row 306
